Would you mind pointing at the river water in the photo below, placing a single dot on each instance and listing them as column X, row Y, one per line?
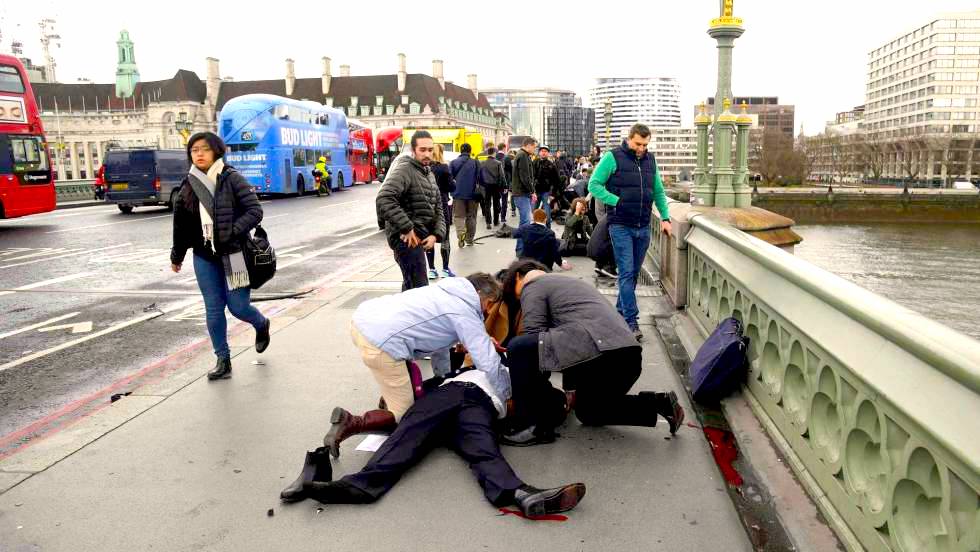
column 933, row 269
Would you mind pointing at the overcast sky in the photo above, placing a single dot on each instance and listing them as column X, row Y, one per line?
column 810, row 54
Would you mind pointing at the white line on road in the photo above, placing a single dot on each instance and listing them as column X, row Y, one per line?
column 356, row 230
column 68, row 278
column 333, row 247
column 107, row 224
column 14, row 251
column 39, row 325
column 76, row 328
column 337, row 204
column 86, row 213
column 85, row 252
column 274, row 217
column 45, row 251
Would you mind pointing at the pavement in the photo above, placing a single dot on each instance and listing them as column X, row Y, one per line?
column 185, row 464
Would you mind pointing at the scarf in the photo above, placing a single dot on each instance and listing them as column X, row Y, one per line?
column 236, row 272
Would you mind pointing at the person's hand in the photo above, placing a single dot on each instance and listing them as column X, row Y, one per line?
column 175, row 267
column 429, row 243
column 565, row 265
column 410, row 239
column 496, row 345
column 665, row 227
column 460, row 348
column 534, row 198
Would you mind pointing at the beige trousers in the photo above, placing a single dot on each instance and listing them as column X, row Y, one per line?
column 391, row 374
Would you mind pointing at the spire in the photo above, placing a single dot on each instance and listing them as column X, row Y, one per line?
column 127, row 75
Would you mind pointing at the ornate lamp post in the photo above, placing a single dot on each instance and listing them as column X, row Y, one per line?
column 183, row 126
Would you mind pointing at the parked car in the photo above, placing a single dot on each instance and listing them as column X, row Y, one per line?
column 144, row 177
column 963, row 185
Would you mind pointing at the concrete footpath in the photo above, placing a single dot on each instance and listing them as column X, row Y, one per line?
column 187, row 464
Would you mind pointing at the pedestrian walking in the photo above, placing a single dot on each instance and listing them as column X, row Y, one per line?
column 505, row 189
column 213, row 223
column 522, row 181
column 628, row 183
column 492, row 176
column 444, row 179
column 409, row 208
column 546, row 180
column 466, row 199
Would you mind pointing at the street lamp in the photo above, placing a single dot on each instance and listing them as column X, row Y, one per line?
column 184, row 126
column 608, row 117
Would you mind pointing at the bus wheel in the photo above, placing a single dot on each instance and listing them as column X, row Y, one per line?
column 340, row 182
column 300, row 185
column 127, row 209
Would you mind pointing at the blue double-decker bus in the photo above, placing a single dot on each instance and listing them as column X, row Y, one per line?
column 275, row 142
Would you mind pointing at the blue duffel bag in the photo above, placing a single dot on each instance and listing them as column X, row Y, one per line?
column 721, row 364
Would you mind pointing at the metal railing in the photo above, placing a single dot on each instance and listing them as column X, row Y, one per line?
column 74, row 190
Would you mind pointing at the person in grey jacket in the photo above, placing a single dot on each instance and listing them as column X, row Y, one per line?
column 571, row 328
column 522, row 181
column 426, row 321
column 410, row 208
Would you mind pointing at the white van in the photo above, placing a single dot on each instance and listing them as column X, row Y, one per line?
column 963, row 185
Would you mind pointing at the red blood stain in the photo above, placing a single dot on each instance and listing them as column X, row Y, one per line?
column 725, row 450
column 546, row 517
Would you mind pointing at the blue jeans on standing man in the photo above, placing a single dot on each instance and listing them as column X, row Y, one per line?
column 629, row 248
column 545, row 203
column 523, row 204
column 214, row 287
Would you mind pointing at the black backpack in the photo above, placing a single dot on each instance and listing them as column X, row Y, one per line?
column 721, row 365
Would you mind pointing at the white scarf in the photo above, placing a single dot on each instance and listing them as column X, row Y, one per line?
column 211, row 182
column 236, row 271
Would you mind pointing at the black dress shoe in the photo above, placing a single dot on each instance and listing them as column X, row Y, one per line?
column 316, row 467
column 669, row 407
column 262, row 337
column 222, row 370
column 528, row 437
column 538, row 502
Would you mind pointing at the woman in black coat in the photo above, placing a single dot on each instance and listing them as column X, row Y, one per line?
column 444, row 178
column 215, row 232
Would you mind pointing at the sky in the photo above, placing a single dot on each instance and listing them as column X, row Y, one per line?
column 811, row 54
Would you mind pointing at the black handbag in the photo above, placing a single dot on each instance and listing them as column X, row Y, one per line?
column 260, row 258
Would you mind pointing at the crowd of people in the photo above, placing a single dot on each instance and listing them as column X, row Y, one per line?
column 493, row 340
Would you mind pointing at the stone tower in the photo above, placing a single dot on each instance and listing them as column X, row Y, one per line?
column 127, row 75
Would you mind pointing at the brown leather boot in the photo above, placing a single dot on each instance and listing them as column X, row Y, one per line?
column 346, row 424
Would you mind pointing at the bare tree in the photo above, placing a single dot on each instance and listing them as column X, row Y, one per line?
column 910, row 147
column 871, row 149
column 773, row 156
column 808, row 155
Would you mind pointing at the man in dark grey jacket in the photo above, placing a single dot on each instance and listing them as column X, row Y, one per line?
column 571, row 328
column 410, row 208
column 522, row 181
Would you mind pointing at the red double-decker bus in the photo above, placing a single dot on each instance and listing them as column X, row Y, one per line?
column 389, row 145
column 26, row 178
column 362, row 155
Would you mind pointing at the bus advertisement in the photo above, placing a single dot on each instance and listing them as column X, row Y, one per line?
column 362, row 155
column 275, row 142
column 26, row 177
column 452, row 140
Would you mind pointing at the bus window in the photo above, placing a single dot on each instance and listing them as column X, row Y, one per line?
column 10, row 80
column 281, row 112
column 28, row 154
column 310, row 159
column 299, row 157
column 242, row 147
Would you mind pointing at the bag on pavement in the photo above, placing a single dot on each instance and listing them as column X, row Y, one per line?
column 721, row 365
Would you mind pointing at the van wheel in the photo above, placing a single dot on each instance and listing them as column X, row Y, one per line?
column 127, row 209
column 300, row 185
column 173, row 201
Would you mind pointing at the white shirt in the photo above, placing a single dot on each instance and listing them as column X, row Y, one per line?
column 481, row 380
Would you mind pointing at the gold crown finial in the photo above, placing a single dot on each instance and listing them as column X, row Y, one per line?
column 702, row 117
column 727, row 104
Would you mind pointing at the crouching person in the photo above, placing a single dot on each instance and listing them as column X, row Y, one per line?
column 420, row 322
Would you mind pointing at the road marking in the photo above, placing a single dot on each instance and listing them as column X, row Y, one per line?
column 42, row 252
column 14, row 251
column 86, row 252
column 333, row 247
column 79, row 327
column 39, row 325
column 107, row 224
column 100, row 333
column 136, row 256
column 86, row 213
column 356, row 230
column 68, row 278
column 337, row 204
column 274, row 217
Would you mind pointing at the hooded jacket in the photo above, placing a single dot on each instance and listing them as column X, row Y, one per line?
column 408, row 200
column 428, row 321
column 536, row 241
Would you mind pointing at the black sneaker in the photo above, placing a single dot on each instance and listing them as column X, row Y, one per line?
column 637, row 333
column 262, row 337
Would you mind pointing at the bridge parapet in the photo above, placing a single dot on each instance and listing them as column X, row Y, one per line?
column 875, row 405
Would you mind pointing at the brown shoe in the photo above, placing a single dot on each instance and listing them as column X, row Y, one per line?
column 346, row 424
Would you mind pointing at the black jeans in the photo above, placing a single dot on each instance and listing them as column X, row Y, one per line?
column 457, row 415
column 504, row 194
column 411, row 260
column 491, row 204
column 601, row 386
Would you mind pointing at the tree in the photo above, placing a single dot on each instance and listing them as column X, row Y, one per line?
column 773, row 156
column 808, row 155
column 871, row 152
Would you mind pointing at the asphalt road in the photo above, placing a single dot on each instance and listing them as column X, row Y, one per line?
column 87, row 297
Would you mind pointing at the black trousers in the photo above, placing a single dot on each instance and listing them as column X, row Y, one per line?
column 457, row 415
column 411, row 261
column 490, row 205
column 504, row 194
column 601, row 388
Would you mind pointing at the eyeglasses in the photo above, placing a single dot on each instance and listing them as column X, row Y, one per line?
column 204, row 149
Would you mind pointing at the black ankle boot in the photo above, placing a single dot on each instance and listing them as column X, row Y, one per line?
column 262, row 337
column 316, row 467
column 222, row 370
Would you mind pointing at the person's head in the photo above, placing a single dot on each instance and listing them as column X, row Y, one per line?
column 580, row 206
column 559, row 153
column 501, row 147
column 323, row 159
column 638, row 139
column 204, row 148
column 544, row 152
column 438, row 154
column 466, row 149
column 422, row 147
column 487, row 287
column 528, row 145
column 491, row 151
column 539, row 216
column 513, row 280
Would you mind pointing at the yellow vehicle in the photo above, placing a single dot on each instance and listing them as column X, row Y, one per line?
column 452, row 140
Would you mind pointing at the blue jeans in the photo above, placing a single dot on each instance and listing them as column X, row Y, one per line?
column 629, row 247
column 544, row 203
column 523, row 204
column 214, row 287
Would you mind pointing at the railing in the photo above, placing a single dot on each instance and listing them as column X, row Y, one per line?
column 73, row 190
column 878, row 405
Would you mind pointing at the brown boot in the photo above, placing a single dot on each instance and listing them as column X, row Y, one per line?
column 346, row 424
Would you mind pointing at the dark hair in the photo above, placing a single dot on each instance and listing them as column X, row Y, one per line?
column 486, row 285
column 491, row 150
column 419, row 134
column 214, row 141
column 501, row 146
column 466, row 148
column 517, row 268
column 528, row 141
column 641, row 129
